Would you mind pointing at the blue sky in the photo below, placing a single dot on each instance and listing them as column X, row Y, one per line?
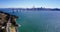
column 29, row 3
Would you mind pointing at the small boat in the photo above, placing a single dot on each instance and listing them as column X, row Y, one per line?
column 8, row 22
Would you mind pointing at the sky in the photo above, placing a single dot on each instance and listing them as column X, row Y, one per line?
column 29, row 3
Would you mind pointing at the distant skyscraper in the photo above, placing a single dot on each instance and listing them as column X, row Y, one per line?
column 33, row 7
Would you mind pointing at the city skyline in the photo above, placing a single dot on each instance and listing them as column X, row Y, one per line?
column 29, row 3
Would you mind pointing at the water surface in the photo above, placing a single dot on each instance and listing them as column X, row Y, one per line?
column 39, row 21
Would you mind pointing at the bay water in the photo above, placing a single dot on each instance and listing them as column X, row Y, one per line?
column 39, row 21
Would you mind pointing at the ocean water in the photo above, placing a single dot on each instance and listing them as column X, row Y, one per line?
column 38, row 21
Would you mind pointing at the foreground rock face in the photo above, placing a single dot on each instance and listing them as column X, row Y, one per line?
column 10, row 19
